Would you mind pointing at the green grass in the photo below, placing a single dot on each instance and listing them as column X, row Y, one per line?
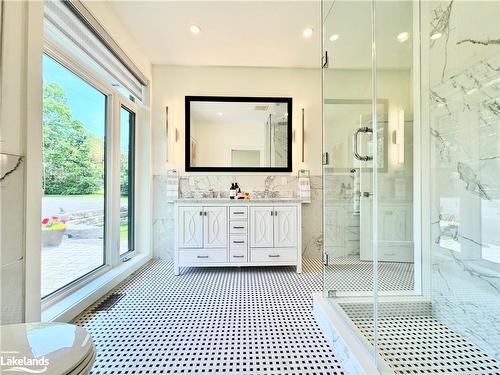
column 75, row 196
column 86, row 196
column 123, row 232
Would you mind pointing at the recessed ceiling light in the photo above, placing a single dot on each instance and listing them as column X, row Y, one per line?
column 307, row 32
column 436, row 36
column 195, row 29
column 334, row 37
column 220, row 113
column 403, row 37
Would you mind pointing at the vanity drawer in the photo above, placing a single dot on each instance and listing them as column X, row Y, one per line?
column 238, row 213
column 238, row 227
column 238, row 256
column 238, row 242
column 202, row 256
column 273, row 255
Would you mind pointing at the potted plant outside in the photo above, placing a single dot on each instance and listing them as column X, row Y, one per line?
column 53, row 231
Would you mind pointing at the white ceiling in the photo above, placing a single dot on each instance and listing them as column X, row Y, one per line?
column 233, row 33
column 268, row 33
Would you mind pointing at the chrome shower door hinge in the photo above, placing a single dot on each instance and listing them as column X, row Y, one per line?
column 326, row 258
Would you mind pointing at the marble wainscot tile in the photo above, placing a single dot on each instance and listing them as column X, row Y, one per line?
column 12, row 245
column 12, row 211
column 12, row 293
column 163, row 220
column 312, row 232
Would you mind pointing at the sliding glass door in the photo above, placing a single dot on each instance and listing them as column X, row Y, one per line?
column 74, row 177
column 127, row 142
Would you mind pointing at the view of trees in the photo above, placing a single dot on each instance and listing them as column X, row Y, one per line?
column 72, row 156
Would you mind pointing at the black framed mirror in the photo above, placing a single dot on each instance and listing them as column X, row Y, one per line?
column 238, row 134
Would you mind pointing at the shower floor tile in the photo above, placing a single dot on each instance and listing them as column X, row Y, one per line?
column 412, row 341
column 212, row 320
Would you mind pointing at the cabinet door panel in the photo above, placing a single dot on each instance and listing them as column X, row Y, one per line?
column 216, row 224
column 190, row 229
column 285, row 227
column 261, row 227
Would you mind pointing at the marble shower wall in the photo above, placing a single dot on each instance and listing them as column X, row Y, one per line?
column 195, row 186
column 464, row 93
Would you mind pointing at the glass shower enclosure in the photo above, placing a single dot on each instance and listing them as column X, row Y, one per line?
column 411, row 183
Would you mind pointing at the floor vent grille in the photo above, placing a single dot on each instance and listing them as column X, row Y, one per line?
column 109, row 302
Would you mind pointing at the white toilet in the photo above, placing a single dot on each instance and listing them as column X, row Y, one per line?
column 46, row 348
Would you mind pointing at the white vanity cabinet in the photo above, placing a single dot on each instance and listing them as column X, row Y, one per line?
column 202, row 227
column 273, row 226
column 222, row 232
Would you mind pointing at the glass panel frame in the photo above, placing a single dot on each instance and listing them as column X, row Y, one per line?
column 131, row 126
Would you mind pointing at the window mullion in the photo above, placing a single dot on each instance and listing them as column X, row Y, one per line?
column 113, row 179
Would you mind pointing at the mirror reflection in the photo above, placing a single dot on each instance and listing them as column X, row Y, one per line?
column 238, row 133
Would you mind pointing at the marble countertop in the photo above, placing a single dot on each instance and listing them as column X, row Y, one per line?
column 238, row 201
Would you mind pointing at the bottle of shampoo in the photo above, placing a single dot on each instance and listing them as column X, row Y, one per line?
column 232, row 191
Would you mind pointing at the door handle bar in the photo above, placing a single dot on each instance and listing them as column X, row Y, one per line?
column 363, row 129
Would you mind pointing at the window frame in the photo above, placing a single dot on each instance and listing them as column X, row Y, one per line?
column 114, row 101
column 131, row 108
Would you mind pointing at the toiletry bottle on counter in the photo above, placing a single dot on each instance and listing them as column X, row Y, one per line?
column 232, row 191
column 237, row 188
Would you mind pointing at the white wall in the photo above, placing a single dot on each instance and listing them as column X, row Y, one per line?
column 172, row 83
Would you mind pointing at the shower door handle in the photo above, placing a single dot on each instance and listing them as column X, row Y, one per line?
column 364, row 129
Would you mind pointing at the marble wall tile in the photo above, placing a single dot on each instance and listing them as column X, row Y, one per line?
column 12, row 292
column 12, row 211
column 163, row 220
column 464, row 111
column 12, row 234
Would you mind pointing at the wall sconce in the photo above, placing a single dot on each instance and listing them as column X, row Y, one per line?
column 302, row 135
column 400, row 137
column 166, row 133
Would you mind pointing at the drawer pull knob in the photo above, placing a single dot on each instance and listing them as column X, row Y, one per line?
column 202, row 256
column 239, row 227
column 238, row 212
column 238, row 256
column 274, row 256
column 238, row 241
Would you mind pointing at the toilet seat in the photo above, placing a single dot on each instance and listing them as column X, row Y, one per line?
column 48, row 348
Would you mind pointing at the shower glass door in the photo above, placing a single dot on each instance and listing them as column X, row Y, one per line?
column 368, row 91
column 348, row 165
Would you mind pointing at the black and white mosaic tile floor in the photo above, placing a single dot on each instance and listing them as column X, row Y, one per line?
column 212, row 320
column 412, row 341
column 350, row 274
